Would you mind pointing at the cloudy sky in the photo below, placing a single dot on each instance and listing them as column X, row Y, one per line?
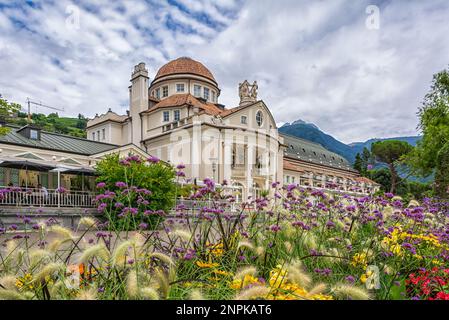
column 331, row 62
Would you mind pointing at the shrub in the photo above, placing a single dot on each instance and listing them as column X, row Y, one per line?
column 142, row 190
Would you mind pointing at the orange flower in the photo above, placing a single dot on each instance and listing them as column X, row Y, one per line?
column 81, row 268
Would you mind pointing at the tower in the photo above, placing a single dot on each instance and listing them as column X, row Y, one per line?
column 138, row 100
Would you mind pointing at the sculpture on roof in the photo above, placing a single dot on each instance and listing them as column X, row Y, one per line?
column 247, row 92
column 253, row 92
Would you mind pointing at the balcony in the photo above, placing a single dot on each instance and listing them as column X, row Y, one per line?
column 33, row 197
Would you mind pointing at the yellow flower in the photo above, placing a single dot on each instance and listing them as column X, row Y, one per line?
column 247, row 280
column 206, row 264
column 359, row 259
column 215, row 249
column 277, row 276
column 365, row 276
column 436, row 262
column 221, row 272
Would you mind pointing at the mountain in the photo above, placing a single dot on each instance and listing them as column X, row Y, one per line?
column 309, row 131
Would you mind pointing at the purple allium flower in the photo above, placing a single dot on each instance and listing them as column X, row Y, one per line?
column 101, row 207
column 389, row 195
column 101, row 185
column 143, row 226
column 330, row 224
column 120, row 184
column 153, row 159
column 180, row 166
column 350, row 279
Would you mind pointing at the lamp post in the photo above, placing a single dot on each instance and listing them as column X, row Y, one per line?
column 214, row 168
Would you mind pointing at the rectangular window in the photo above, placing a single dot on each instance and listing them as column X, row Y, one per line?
column 93, row 136
column 213, row 96
column 180, row 87
column 158, row 93
column 166, row 116
column 33, row 134
column 103, row 132
column 176, row 115
column 98, row 135
column 164, row 91
column 206, row 93
column 197, row 90
column 243, row 119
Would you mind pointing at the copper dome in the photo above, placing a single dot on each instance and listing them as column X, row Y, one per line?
column 184, row 65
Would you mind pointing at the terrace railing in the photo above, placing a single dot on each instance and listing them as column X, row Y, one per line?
column 26, row 197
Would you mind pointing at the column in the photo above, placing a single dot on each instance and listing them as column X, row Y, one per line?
column 196, row 148
column 249, row 169
column 227, row 161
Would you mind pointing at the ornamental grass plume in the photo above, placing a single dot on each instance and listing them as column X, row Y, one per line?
column 245, row 244
column 87, row 294
column 260, row 251
column 96, row 251
column 49, row 270
column 149, row 293
column 162, row 280
column 196, row 294
column 119, row 255
column 240, row 275
column 10, row 295
column 87, row 222
column 253, row 293
column 347, row 291
column 64, row 232
column 57, row 243
column 317, row 289
column 38, row 256
column 162, row 257
column 183, row 234
column 288, row 246
column 309, row 241
column 413, row 203
column 297, row 275
column 132, row 288
column 8, row 282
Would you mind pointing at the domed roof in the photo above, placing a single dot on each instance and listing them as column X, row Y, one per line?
column 185, row 65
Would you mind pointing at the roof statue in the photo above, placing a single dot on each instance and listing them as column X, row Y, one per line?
column 247, row 92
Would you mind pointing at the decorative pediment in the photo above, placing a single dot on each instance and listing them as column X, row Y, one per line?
column 29, row 155
column 69, row 161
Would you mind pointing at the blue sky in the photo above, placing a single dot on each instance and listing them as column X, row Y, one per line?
column 313, row 60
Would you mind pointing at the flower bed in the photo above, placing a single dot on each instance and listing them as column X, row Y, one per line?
column 299, row 244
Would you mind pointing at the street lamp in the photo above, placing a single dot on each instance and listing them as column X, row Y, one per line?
column 214, row 168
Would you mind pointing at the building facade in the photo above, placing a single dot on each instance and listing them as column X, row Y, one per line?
column 177, row 117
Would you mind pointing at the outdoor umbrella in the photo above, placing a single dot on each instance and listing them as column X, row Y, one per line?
column 26, row 165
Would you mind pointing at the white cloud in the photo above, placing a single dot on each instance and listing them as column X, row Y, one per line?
column 313, row 60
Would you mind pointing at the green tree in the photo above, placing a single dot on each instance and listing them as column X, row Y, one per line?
column 7, row 109
column 434, row 124
column 442, row 172
column 392, row 153
column 82, row 122
column 358, row 163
